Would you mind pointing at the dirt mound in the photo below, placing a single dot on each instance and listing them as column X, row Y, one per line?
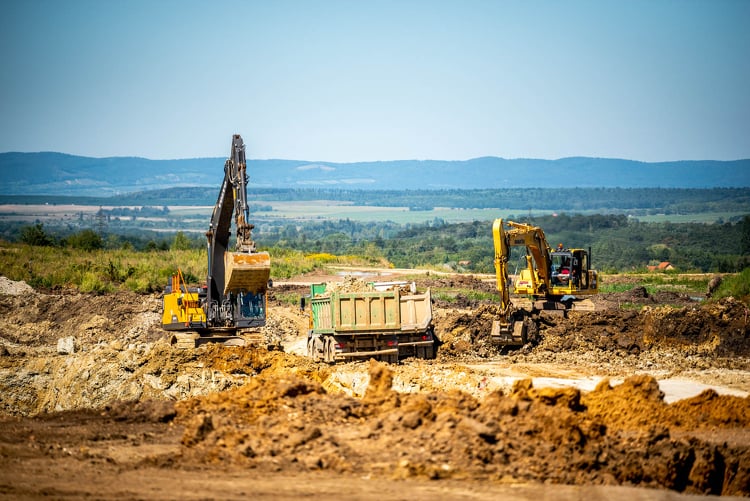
column 531, row 434
column 637, row 404
column 639, row 296
column 349, row 283
column 117, row 351
column 460, row 287
column 715, row 329
column 465, row 333
column 712, row 329
column 469, row 282
column 719, row 328
column 34, row 320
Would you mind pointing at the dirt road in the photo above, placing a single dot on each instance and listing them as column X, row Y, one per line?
column 611, row 404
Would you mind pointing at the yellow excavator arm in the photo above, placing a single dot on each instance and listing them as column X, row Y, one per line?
column 500, row 238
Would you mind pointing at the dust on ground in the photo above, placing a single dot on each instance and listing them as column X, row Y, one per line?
column 116, row 399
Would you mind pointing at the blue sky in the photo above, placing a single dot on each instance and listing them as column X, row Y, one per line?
column 344, row 81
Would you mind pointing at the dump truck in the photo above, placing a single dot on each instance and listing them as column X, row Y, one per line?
column 233, row 300
column 387, row 325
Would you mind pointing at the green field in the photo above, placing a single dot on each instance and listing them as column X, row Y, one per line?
column 333, row 210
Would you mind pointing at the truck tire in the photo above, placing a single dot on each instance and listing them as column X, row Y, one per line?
column 311, row 348
column 329, row 350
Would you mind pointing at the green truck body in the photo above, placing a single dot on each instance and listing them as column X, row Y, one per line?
column 387, row 325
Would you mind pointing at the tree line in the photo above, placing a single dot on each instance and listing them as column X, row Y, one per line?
column 640, row 201
column 617, row 242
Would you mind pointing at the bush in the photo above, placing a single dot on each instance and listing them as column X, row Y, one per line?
column 737, row 286
column 180, row 242
column 35, row 235
column 87, row 240
column 140, row 285
column 90, row 282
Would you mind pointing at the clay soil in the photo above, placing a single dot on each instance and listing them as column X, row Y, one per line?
column 646, row 397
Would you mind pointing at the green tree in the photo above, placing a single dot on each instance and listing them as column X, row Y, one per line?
column 180, row 242
column 35, row 235
column 745, row 238
column 87, row 240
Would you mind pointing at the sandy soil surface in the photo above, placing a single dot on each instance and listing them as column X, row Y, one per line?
column 610, row 404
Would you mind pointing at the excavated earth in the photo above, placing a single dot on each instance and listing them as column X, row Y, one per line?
column 644, row 397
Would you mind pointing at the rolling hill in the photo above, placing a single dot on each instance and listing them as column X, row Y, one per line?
column 53, row 173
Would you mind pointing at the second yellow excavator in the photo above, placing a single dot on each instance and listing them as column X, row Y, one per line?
column 552, row 279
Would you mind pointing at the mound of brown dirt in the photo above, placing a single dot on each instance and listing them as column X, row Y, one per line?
column 712, row 329
column 41, row 319
column 639, row 296
column 459, row 286
column 348, row 284
column 530, row 435
column 719, row 328
column 465, row 332
column 637, row 404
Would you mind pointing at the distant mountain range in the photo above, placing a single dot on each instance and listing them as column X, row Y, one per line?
column 50, row 173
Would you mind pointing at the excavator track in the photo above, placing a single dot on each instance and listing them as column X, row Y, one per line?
column 184, row 340
column 192, row 340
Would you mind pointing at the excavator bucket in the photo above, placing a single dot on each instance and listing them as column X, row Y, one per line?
column 246, row 271
column 508, row 334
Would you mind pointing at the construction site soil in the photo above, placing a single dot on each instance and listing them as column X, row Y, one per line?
column 645, row 397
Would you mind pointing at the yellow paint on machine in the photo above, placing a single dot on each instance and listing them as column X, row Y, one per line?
column 246, row 271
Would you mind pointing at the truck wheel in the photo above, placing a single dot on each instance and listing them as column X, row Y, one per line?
column 330, row 350
column 311, row 348
column 429, row 352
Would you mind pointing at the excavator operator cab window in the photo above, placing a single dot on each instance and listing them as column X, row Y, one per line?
column 252, row 305
column 561, row 268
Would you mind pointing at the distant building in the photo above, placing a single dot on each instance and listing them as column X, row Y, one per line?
column 663, row 266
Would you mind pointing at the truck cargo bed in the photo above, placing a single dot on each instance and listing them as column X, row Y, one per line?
column 364, row 324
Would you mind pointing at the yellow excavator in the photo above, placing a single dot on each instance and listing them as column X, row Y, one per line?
column 233, row 301
column 552, row 279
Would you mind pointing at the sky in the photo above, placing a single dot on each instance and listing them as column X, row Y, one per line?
column 349, row 80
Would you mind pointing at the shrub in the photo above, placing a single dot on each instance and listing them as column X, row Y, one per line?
column 87, row 240
column 35, row 235
column 90, row 282
column 737, row 286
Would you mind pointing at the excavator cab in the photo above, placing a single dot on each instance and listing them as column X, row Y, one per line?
column 570, row 273
column 562, row 268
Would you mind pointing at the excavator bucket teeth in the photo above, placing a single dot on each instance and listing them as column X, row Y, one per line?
column 246, row 271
